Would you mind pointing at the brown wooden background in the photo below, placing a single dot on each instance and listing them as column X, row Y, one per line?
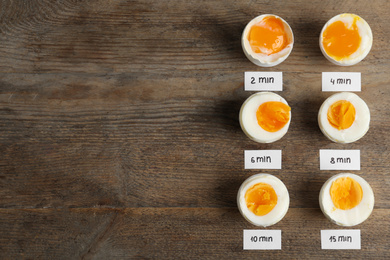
column 119, row 133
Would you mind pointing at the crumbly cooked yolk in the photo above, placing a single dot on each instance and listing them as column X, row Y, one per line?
column 339, row 41
column 273, row 115
column 261, row 198
column 346, row 193
column 341, row 114
column 268, row 36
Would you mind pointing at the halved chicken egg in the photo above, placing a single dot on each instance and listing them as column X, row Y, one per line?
column 263, row 200
column 346, row 199
column 346, row 39
column 344, row 117
column 267, row 40
column 265, row 117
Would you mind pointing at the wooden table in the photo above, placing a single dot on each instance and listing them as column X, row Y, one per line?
column 119, row 131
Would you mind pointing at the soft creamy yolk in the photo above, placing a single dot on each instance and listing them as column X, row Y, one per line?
column 341, row 114
column 339, row 41
column 261, row 198
column 268, row 36
column 346, row 193
column 273, row 115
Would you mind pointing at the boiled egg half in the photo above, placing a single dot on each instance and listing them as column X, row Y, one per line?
column 267, row 40
column 265, row 117
column 346, row 39
column 344, row 117
column 263, row 200
column 346, row 199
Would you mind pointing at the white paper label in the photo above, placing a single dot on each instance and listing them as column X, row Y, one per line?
column 341, row 239
column 341, row 81
column 339, row 159
column 263, row 81
column 262, row 239
column 263, row 159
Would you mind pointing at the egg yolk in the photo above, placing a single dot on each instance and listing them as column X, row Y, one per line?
column 341, row 114
column 273, row 115
column 339, row 41
column 261, row 198
column 268, row 36
column 346, row 193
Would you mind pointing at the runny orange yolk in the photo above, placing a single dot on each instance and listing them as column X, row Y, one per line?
column 273, row 115
column 268, row 36
column 346, row 193
column 339, row 41
column 261, row 198
column 341, row 114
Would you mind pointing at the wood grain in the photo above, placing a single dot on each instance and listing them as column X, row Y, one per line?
column 173, row 233
column 119, row 133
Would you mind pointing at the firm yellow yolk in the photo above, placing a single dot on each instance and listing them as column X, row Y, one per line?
column 273, row 115
column 346, row 193
column 268, row 36
column 339, row 41
column 261, row 198
column 341, row 114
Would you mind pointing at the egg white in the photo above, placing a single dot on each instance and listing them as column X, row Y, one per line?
column 352, row 216
column 261, row 59
column 365, row 44
column 248, row 119
column 277, row 213
column 359, row 127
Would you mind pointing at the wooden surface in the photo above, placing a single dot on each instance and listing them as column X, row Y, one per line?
column 119, row 133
